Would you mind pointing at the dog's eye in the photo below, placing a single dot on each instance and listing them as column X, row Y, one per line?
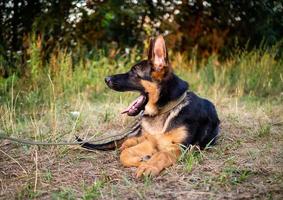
column 136, row 75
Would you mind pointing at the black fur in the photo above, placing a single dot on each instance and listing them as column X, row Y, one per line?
column 199, row 116
column 103, row 147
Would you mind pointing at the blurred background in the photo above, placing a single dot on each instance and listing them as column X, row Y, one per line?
column 198, row 28
column 230, row 45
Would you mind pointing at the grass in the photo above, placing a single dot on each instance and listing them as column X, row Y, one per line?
column 53, row 102
column 190, row 157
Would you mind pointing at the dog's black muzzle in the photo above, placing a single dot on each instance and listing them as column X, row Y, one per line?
column 123, row 82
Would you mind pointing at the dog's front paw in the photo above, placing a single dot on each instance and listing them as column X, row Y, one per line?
column 147, row 170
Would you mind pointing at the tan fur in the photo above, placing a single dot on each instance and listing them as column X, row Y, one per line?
column 156, row 141
column 160, row 64
column 153, row 95
column 160, row 123
column 163, row 148
column 175, row 136
column 158, row 75
column 133, row 156
column 132, row 142
column 154, row 125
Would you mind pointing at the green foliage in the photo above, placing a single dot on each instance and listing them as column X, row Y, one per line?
column 190, row 157
column 47, row 176
column 27, row 192
column 64, row 193
column 233, row 176
column 264, row 130
column 147, row 181
column 256, row 74
column 93, row 192
column 205, row 27
column 34, row 63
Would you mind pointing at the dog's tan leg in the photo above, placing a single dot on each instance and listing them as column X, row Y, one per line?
column 133, row 156
column 169, row 151
column 133, row 141
column 159, row 161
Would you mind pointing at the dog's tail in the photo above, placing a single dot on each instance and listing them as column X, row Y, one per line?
column 103, row 147
column 111, row 141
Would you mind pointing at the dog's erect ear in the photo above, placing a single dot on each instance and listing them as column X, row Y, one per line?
column 159, row 56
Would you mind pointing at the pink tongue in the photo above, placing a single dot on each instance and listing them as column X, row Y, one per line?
column 134, row 105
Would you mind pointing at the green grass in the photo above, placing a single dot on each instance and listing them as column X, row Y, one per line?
column 264, row 130
column 27, row 192
column 64, row 193
column 59, row 99
column 233, row 176
column 93, row 191
column 190, row 158
column 255, row 74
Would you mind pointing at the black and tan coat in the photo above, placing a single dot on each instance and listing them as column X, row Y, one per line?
column 192, row 121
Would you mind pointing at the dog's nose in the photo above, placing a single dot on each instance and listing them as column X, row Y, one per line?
column 107, row 80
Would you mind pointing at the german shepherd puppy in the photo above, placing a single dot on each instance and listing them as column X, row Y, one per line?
column 172, row 115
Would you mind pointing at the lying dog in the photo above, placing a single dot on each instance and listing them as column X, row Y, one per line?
column 172, row 115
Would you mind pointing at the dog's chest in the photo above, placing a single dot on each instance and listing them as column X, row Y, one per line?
column 162, row 123
column 156, row 125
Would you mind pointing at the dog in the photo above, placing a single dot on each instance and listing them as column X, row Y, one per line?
column 172, row 115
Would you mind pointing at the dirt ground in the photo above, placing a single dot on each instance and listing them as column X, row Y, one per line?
column 246, row 163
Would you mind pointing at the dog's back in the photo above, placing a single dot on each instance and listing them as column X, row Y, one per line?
column 202, row 121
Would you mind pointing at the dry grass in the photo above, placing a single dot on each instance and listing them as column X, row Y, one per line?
column 246, row 163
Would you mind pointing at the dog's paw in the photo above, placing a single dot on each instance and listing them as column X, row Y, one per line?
column 147, row 170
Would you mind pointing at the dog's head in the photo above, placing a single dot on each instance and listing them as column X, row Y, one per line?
column 147, row 77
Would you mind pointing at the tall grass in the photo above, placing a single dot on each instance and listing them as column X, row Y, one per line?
column 256, row 74
column 50, row 86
